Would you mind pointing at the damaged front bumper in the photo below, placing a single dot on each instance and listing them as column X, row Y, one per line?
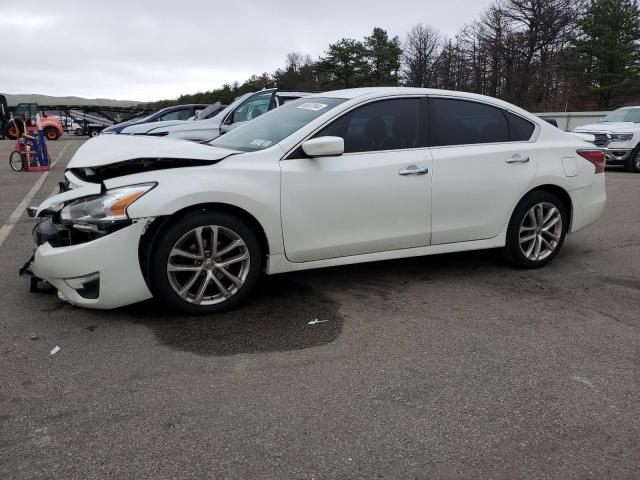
column 99, row 273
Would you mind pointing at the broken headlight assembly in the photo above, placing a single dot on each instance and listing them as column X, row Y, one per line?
column 103, row 213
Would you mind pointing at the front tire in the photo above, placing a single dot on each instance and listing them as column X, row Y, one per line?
column 205, row 263
column 51, row 133
column 633, row 162
column 537, row 230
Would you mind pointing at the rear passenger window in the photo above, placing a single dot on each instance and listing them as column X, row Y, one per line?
column 460, row 122
column 383, row 125
column 520, row 130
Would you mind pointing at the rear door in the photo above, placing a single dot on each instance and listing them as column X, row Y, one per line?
column 483, row 161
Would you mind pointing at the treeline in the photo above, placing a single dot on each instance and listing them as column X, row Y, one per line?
column 543, row 55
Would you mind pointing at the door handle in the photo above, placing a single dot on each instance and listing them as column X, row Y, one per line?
column 517, row 158
column 413, row 170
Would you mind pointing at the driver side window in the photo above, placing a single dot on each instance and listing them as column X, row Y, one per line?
column 384, row 125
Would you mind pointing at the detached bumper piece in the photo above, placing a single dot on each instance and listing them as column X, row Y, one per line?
column 36, row 285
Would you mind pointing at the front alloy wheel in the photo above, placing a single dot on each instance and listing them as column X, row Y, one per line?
column 204, row 263
column 208, row 265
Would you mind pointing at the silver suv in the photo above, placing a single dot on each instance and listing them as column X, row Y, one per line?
column 240, row 111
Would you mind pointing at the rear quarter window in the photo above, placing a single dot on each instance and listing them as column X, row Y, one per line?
column 520, row 130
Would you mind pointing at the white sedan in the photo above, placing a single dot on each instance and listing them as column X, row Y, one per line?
column 336, row 178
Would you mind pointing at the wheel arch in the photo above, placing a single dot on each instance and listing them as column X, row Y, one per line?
column 148, row 239
column 556, row 190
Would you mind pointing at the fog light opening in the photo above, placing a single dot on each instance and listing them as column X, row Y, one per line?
column 87, row 286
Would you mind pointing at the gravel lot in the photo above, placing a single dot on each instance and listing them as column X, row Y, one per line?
column 454, row 366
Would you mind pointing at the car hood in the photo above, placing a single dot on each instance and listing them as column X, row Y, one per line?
column 141, row 128
column 118, row 126
column 114, row 149
column 608, row 127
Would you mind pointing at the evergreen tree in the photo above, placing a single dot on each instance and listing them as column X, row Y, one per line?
column 345, row 64
column 607, row 50
column 383, row 57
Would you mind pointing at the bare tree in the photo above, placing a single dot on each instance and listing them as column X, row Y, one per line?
column 422, row 47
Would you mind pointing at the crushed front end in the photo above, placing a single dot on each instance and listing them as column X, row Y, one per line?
column 86, row 246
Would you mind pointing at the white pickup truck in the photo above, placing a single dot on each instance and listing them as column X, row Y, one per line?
column 618, row 134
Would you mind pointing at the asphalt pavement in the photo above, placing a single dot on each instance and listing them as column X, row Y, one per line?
column 451, row 366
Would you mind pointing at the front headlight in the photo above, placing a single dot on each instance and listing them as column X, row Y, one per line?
column 108, row 208
column 621, row 137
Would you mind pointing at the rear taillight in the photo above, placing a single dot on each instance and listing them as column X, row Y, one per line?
column 594, row 156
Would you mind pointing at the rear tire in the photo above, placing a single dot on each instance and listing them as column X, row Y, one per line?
column 195, row 268
column 12, row 132
column 537, row 230
column 94, row 132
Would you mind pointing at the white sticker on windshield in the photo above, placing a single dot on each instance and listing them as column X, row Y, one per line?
column 313, row 106
column 258, row 142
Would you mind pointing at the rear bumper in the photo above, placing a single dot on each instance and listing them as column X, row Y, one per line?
column 588, row 203
column 114, row 257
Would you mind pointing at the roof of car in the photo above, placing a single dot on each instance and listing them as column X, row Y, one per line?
column 187, row 105
column 293, row 94
column 350, row 93
column 373, row 92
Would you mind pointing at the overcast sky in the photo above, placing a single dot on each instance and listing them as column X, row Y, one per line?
column 148, row 50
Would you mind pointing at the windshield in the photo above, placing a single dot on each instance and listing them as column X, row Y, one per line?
column 213, row 108
column 624, row 115
column 276, row 125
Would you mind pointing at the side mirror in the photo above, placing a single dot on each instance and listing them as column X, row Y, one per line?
column 324, row 147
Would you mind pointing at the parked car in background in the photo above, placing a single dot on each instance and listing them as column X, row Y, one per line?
column 142, row 128
column 178, row 112
column 335, row 178
column 241, row 110
column 618, row 134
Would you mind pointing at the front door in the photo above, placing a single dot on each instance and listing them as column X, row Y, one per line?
column 373, row 198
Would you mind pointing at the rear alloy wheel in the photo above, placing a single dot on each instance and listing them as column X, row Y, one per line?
column 205, row 263
column 537, row 230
